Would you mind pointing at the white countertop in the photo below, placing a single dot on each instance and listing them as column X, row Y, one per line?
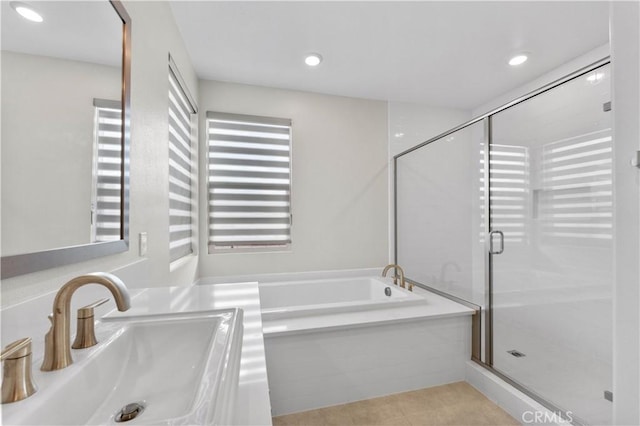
column 253, row 404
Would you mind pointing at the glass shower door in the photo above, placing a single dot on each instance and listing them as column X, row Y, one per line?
column 552, row 201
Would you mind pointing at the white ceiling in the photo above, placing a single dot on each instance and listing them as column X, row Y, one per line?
column 89, row 31
column 450, row 54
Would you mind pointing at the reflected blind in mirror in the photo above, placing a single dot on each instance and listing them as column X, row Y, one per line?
column 107, row 187
column 249, row 180
column 180, row 170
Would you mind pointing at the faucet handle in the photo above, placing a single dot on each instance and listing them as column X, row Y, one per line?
column 85, row 332
column 87, row 311
column 16, row 372
column 17, row 349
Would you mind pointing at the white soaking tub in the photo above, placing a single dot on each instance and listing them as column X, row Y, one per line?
column 333, row 337
column 333, row 340
column 290, row 299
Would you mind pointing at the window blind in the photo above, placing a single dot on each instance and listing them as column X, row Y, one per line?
column 249, row 180
column 577, row 199
column 107, row 193
column 510, row 186
column 180, row 161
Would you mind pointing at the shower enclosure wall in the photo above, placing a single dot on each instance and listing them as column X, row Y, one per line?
column 539, row 265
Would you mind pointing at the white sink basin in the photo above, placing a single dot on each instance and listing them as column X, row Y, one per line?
column 182, row 367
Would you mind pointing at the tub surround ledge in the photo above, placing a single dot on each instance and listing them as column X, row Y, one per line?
column 435, row 307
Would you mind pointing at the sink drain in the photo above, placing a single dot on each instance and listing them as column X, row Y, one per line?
column 130, row 412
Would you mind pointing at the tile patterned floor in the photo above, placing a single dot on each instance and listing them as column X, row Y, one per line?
column 456, row 404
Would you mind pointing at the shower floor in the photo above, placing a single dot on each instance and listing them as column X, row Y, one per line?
column 453, row 404
column 564, row 376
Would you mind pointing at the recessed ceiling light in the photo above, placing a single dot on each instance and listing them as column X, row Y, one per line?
column 26, row 11
column 518, row 60
column 313, row 59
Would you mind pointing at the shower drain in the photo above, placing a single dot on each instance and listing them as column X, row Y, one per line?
column 516, row 353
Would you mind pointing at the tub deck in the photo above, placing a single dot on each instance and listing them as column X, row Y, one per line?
column 434, row 307
column 292, row 299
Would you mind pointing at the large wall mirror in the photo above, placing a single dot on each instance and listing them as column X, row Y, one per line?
column 65, row 133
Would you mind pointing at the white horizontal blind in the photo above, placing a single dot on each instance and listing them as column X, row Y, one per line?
column 107, row 206
column 509, row 171
column 180, row 165
column 249, row 180
column 577, row 199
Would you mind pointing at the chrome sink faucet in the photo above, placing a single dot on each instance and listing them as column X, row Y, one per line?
column 57, row 342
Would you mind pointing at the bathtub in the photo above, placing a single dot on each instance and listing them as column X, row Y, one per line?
column 334, row 337
column 338, row 339
column 292, row 299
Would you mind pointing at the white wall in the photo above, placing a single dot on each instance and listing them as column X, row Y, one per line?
column 625, row 54
column 339, row 180
column 154, row 35
column 48, row 118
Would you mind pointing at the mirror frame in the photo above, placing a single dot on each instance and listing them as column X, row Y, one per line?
column 21, row 264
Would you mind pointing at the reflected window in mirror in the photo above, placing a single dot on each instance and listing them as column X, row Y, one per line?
column 107, row 162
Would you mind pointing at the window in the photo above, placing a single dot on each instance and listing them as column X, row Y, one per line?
column 509, row 169
column 577, row 197
column 181, row 109
column 249, row 171
column 107, row 164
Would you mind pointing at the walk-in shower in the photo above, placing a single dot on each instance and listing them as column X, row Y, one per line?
column 539, row 265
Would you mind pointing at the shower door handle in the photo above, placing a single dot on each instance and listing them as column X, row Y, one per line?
column 491, row 249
